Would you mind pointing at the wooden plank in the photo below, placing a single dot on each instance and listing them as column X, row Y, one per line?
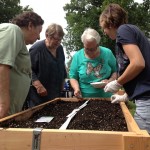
column 16, row 139
column 54, row 139
column 81, row 99
column 136, row 142
column 61, row 140
column 131, row 124
column 81, row 141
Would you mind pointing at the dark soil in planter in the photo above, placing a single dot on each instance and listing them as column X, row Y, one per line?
column 97, row 115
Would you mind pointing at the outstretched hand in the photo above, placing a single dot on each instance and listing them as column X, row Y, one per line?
column 119, row 98
column 112, row 86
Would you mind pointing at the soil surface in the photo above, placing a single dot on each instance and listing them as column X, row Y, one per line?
column 97, row 115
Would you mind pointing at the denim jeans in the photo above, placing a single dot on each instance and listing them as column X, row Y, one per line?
column 142, row 114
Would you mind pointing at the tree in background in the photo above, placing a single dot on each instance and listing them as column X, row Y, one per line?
column 139, row 14
column 10, row 8
column 81, row 14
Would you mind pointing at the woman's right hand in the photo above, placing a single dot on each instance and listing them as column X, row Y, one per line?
column 39, row 88
column 41, row 91
column 77, row 93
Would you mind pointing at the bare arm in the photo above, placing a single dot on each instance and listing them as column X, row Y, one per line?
column 40, row 88
column 112, row 77
column 75, row 85
column 137, row 63
column 4, row 90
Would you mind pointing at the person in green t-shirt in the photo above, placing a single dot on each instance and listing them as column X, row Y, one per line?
column 93, row 63
column 15, row 64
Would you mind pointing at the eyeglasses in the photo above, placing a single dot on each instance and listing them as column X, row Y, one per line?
column 91, row 49
column 56, row 39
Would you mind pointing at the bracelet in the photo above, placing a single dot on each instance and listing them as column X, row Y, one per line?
column 38, row 87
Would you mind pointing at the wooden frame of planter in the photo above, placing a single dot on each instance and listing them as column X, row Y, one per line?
column 54, row 139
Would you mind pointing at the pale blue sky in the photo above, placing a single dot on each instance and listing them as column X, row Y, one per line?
column 51, row 11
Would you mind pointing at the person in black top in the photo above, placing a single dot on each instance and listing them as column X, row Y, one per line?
column 48, row 67
column 133, row 57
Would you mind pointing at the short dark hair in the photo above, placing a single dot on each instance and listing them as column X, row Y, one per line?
column 23, row 19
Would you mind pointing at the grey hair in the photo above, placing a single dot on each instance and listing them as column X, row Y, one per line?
column 90, row 35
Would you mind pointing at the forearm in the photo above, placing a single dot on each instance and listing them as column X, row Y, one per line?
column 37, row 84
column 136, row 66
column 4, row 90
column 74, row 83
column 113, row 77
column 41, row 90
column 34, row 76
column 130, row 73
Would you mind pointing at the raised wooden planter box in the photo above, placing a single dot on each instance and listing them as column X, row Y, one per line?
column 54, row 139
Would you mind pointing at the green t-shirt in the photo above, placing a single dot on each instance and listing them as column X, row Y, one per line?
column 87, row 70
column 13, row 52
